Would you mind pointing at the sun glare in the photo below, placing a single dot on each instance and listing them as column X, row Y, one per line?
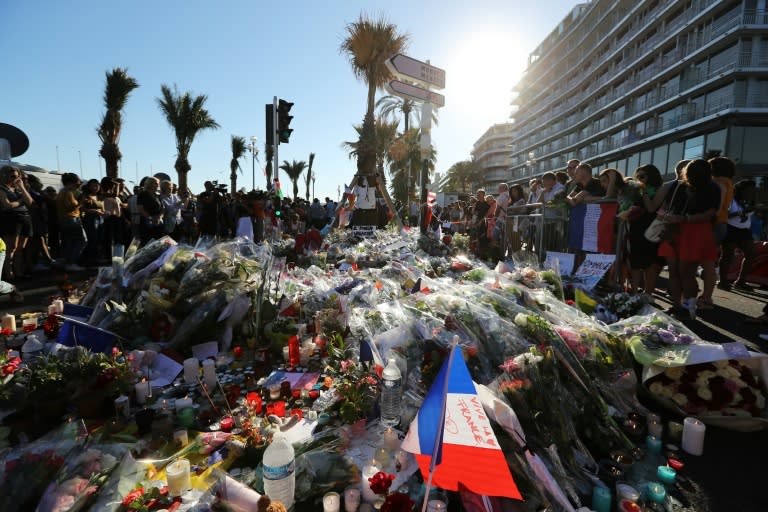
column 482, row 72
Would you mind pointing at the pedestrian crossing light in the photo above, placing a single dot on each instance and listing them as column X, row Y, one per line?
column 284, row 121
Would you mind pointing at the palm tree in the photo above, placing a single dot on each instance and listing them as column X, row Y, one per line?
column 187, row 116
column 389, row 106
column 238, row 150
column 309, row 177
column 294, row 170
column 462, row 174
column 403, row 151
column 118, row 87
column 386, row 134
column 368, row 45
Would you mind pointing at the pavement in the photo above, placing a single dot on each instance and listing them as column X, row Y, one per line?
column 725, row 478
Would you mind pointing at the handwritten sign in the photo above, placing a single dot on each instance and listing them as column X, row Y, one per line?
column 593, row 269
column 466, row 422
column 364, row 231
column 163, row 370
column 563, row 261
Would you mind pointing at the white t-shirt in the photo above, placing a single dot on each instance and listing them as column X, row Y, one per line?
column 365, row 197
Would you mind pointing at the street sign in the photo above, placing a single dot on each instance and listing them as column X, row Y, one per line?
column 414, row 92
column 412, row 69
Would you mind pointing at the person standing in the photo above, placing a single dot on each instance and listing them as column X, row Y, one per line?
column 92, row 209
column 15, row 220
column 643, row 261
column 738, row 236
column 151, row 211
column 73, row 239
column 172, row 206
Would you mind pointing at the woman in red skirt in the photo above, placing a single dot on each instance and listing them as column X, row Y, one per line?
column 692, row 206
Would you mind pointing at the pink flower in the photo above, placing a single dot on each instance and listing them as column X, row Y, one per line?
column 347, row 364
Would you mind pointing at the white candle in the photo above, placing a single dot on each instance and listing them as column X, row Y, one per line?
column 351, row 499
column 59, row 306
column 183, row 403
column 122, row 406
column 368, row 495
column 142, row 391
column 693, row 436
column 331, row 502
column 52, row 310
column 9, row 322
column 655, row 428
column 209, row 374
column 191, row 370
column 181, row 437
column 177, row 474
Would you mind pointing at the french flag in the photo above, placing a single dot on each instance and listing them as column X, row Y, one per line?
column 591, row 227
column 464, row 447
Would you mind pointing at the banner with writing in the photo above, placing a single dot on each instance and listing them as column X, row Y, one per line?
column 592, row 270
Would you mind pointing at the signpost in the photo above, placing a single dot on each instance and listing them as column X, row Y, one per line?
column 415, row 92
column 417, row 71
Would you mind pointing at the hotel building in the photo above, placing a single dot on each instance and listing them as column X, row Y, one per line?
column 620, row 83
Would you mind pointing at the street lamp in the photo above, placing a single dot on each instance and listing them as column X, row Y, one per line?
column 254, row 155
column 313, row 186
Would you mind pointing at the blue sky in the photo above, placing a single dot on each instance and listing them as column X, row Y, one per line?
column 241, row 54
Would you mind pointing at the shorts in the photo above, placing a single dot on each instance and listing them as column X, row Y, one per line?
column 14, row 224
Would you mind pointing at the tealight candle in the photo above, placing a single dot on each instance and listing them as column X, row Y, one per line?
column 368, row 495
column 629, row 506
column 191, row 370
column 351, row 499
column 655, row 428
column 627, row 492
column 9, row 322
column 227, row 423
column 693, row 436
column 142, row 391
column 656, row 492
column 29, row 324
column 601, row 499
column 675, row 464
column 178, row 476
column 52, row 310
column 331, row 502
column 653, row 444
column 666, row 474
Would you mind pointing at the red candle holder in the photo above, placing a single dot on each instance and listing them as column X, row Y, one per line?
column 675, row 464
column 237, row 352
column 227, row 423
column 253, row 399
column 279, row 409
column 314, row 393
column 296, row 394
column 270, row 409
column 297, row 412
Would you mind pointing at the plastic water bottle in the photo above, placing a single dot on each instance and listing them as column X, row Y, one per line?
column 279, row 463
column 391, row 387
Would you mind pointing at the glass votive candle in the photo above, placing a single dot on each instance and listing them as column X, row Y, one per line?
column 655, row 428
column 181, row 437
column 629, row 506
column 436, row 506
column 653, row 444
column 351, row 499
column 331, row 502
column 29, row 324
column 601, row 499
column 286, row 353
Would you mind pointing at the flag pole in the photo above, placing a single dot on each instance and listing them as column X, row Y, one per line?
column 441, row 424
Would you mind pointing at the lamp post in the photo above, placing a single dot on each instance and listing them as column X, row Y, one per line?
column 254, row 154
column 313, row 186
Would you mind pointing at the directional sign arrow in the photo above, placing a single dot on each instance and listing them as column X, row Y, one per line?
column 416, row 70
column 415, row 93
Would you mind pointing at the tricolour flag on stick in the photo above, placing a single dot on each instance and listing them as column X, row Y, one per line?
column 467, row 451
column 590, row 227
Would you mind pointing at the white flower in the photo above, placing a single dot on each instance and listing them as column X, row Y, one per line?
column 527, row 359
column 521, row 320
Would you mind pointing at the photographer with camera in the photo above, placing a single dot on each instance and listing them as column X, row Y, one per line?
column 210, row 203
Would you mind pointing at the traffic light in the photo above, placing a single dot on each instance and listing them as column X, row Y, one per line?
column 269, row 118
column 284, row 121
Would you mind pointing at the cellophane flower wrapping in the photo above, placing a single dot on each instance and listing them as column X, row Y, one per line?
column 84, row 473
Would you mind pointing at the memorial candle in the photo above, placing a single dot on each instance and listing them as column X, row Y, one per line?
column 9, row 322
column 656, row 492
column 601, row 499
column 191, row 370
column 142, row 391
column 368, row 494
column 59, row 306
column 209, row 374
column 693, row 436
column 331, row 502
column 178, row 476
column 666, row 474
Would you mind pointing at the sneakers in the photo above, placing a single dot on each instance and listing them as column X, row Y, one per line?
column 74, row 267
column 690, row 306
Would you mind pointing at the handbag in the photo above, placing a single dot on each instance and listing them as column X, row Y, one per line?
column 661, row 228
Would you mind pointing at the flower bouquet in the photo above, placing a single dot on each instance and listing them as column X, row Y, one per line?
column 353, row 381
column 656, row 339
column 620, row 305
column 391, row 501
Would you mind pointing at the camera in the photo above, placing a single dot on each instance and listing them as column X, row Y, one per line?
column 219, row 188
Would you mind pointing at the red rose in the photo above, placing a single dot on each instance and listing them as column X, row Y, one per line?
column 132, row 496
column 397, row 502
column 381, row 482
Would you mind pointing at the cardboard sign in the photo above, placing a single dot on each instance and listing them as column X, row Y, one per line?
column 364, row 231
column 563, row 260
column 592, row 270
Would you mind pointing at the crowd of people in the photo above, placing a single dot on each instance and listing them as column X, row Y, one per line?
column 76, row 226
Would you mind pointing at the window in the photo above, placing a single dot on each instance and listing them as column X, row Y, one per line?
column 646, row 158
column 675, row 155
column 716, row 142
column 660, row 159
column 755, row 149
column 632, row 163
column 694, row 148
